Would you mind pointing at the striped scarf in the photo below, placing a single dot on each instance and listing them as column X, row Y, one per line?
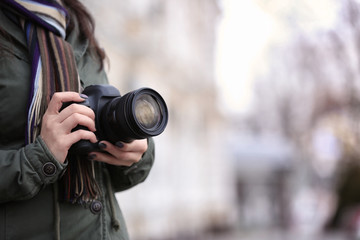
column 53, row 70
column 53, row 64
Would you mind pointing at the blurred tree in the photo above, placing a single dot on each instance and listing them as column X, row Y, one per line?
column 314, row 76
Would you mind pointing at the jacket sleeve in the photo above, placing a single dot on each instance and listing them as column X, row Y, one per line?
column 24, row 172
column 123, row 178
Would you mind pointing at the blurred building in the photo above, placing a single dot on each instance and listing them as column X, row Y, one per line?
column 270, row 171
column 169, row 45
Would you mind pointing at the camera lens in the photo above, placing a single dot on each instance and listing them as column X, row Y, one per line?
column 147, row 111
column 136, row 115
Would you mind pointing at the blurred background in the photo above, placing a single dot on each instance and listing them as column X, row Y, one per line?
column 263, row 98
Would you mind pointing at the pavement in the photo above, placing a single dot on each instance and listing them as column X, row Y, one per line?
column 272, row 235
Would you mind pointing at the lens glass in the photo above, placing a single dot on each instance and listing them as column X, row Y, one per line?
column 147, row 111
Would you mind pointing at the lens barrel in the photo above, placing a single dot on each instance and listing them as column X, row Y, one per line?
column 136, row 115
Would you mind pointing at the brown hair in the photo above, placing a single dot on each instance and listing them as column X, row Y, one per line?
column 86, row 26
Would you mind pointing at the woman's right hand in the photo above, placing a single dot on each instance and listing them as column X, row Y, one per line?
column 57, row 125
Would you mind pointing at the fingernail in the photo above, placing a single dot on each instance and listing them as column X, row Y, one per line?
column 102, row 145
column 84, row 96
column 119, row 144
column 92, row 156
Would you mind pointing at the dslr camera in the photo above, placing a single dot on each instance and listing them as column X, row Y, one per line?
column 139, row 114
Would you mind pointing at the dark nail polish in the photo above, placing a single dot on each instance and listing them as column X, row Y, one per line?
column 84, row 96
column 102, row 145
column 119, row 144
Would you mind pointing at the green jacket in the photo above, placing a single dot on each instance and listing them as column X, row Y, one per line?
column 29, row 208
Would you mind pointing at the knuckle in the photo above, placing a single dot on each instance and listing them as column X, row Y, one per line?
column 130, row 159
column 46, row 127
column 45, row 119
column 92, row 113
column 76, row 117
column 56, row 96
column 82, row 110
column 46, row 124
column 128, row 164
column 72, row 107
column 76, row 107
column 88, row 111
column 83, row 134
column 137, row 160
column 143, row 148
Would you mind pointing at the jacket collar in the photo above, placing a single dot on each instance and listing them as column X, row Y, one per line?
column 12, row 28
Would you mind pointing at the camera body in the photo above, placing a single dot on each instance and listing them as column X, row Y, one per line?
column 136, row 115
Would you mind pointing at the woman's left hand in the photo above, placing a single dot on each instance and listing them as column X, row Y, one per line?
column 121, row 154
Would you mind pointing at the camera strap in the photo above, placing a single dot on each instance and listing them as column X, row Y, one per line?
column 53, row 70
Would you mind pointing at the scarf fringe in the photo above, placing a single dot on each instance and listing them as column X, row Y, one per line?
column 79, row 182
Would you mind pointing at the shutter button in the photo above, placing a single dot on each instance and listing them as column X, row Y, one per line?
column 96, row 207
column 49, row 169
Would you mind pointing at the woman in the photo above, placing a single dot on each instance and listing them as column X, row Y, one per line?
column 35, row 134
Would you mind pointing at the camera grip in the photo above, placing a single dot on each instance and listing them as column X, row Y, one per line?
column 84, row 147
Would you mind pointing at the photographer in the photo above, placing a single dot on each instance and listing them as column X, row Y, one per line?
column 48, row 53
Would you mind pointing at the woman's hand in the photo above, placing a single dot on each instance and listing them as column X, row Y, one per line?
column 121, row 154
column 56, row 126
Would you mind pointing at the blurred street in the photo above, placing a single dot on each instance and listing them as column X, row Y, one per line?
column 273, row 235
column 265, row 235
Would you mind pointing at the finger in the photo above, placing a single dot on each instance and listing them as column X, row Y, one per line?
column 134, row 146
column 128, row 158
column 78, row 119
column 81, row 134
column 129, row 152
column 59, row 98
column 76, row 108
column 124, row 156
